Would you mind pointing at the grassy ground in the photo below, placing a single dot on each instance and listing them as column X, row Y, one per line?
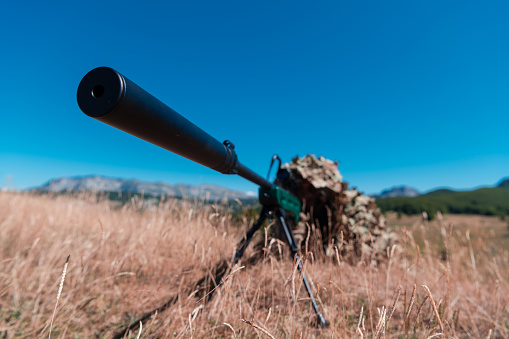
column 124, row 262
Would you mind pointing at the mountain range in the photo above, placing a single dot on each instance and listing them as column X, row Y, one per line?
column 97, row 183
column 409, row 192
column 398, row 191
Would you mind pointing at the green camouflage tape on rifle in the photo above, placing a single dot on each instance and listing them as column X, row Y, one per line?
column 279, row 197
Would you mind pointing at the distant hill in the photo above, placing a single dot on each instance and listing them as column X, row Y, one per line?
column 398, row 191
column 441, row 191
column 504, row 183
column 484, row 201
column 153, row 189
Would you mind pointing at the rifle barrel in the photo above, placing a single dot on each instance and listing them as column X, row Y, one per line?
column 108, row 96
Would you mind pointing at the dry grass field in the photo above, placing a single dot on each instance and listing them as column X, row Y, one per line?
column 439, row 281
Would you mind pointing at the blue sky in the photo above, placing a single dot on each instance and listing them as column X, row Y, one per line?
column 399, row 92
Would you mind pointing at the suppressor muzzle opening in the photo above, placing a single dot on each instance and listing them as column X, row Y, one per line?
column 100, row 91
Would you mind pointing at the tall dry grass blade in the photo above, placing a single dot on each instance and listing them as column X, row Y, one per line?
column 339, row 263
column 152, row 322
column 380, row 327
column 268, row 315
column 419, row 309
column 406, row 321
column 190, row 325
column 231, row 328
column 359, row 323
column 434, row 308
column 60, row 287
column 256, row 327
column 472, row 259
column 337, row 255
column 412, row 299
column 395, row 300
column 139, row 333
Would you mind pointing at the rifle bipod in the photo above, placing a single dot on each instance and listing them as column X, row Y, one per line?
column 280, row 214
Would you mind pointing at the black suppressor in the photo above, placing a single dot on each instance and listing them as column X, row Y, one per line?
column 108, row 96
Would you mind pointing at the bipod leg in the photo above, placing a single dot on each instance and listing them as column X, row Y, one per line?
column 294, row 251
column 242, row 245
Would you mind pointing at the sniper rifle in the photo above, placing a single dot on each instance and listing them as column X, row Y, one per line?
column 108, row 96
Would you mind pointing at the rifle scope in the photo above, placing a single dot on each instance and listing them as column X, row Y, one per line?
column 108, row 96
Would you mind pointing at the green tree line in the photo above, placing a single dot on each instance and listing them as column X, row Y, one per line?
column 483, row 201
